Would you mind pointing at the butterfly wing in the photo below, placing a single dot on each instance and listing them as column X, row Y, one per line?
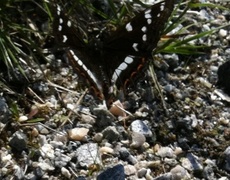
column 67, row 33
column 132, row 44
column 141, row 35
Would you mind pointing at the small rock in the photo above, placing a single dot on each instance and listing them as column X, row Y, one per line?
column 78, row 134
column 141, row 172
column 47, row 151
column 223, row 32
column 124, row 153
column 22, row 118
column 65, row 172
column 191, row 162
column 165, row 152
column 60, row 159
column 114, row 173
column 111, row 134
column 46, row 165
column 137, row 140
column 18, row 172
column 104, row 118
column 4, row 111
column 179, row 173
column 98, row 137
column 140, row 127
column 227, row 159
column 87, row 154
column 18, row 141
column 116, row 111
column 106, row 150
column 130, row 170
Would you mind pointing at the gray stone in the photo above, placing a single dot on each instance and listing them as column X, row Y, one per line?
column 140, row 127
column 227, row 159
column 165, row 152
column 87, row 154
column 111, row 134
column 60, row 159
column 4, row 111
column 116, row 172
column 18, row 141
column 130, row 170
column 141, row 172
column 192, row 162
column 104, row 118
column 179, row 173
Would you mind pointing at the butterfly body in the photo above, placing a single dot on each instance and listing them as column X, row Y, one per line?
column 112, row 58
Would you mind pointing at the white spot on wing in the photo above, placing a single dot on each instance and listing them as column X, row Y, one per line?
column 64, row 38
column 90, row 74
column 58, row 10
column 80, row 62
column 162, row 6
column 135, row 46
column 115, row 76
column 122, row 66
column 129, row 27
column 69, row 23
column 60, row 21
column 149, row 21
column 144, row 29
column 148, row 16
column 128, row 59
column 144, row 37
column 148, row 11
column 59, row 28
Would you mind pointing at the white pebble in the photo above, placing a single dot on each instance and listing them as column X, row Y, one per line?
column 223, row 33
column 106, row 150
column 65, row 172
column 78, row 134
column 22, row 118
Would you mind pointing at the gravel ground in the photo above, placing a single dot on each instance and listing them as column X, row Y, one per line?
column 76, row 138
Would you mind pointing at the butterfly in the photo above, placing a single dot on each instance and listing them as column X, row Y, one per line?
column 115, row 58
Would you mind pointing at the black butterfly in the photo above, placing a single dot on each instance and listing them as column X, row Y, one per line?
column 112, row 59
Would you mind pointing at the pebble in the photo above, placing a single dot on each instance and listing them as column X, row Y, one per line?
column 137, row 140
column 227, row 159
column 98, row 137
column 66, row 172
column 140, row 127
column 178, row 173
column 115, row 173
column 87, row 154
column 141, row 172
column 78, row 134
column 104, row 118
column 223, row 32
column 18, row 141
column 106, row 150
column 165, row 152
column 4, row 111
column 130, row 170
column 191, row 162
column 46, row 165
column 61, row 160
column 47, row 151
column 22, row 118
column 111, row 134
